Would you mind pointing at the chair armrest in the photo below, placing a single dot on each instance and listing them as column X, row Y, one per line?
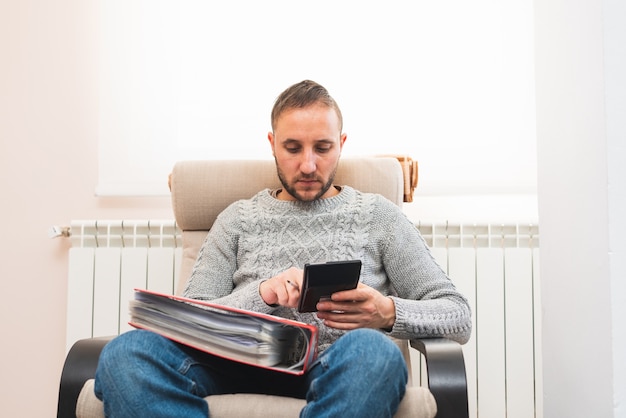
column 80, row 365
column 446, row 375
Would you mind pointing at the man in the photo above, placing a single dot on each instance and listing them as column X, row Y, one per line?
column 253, row 255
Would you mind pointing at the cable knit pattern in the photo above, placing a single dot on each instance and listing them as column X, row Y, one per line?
column 256, row 239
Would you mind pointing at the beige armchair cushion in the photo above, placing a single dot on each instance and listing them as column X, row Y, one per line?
column 201, row 190
column 417, row 403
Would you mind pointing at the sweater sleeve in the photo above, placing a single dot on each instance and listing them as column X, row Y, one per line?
column 427, row 302
column 215, row 267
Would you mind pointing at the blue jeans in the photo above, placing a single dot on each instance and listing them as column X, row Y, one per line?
column 141, row 374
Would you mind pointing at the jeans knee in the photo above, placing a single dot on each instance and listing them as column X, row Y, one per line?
column 131, row 349
column 361, row 374
column 374, row 350
column 121, row 347
column 124, row 356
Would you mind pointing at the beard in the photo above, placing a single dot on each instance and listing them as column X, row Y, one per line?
column 289, row 188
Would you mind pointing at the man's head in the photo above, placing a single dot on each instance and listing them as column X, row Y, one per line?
column 306, row 141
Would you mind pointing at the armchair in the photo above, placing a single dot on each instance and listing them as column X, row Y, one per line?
column 200, row 191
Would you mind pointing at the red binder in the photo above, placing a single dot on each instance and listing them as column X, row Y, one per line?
column 240, row 335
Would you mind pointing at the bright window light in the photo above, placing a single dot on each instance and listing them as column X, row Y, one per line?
column 448, row 83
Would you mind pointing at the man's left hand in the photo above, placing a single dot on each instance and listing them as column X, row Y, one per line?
column 363, row 307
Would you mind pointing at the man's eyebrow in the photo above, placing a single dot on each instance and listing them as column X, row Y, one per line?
column 289, row 141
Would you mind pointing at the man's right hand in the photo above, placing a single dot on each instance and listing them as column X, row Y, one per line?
column 284, row 289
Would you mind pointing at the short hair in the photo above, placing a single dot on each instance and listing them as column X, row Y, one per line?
column 301, row 95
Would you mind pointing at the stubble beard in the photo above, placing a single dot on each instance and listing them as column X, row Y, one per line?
column 293, row 192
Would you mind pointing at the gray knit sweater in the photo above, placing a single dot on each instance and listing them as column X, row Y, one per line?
column 256, row 239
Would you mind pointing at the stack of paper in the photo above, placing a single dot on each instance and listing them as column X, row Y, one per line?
column 249, row 337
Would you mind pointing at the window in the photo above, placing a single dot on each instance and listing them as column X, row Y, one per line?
column 448, row 83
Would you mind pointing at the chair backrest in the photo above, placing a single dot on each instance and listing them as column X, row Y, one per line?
column 203, row 189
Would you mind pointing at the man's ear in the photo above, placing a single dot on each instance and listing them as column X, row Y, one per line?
column 270, row 137
column 342, row 140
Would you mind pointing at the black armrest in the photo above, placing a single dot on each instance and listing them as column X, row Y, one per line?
column 446, row 375
column 80, row 365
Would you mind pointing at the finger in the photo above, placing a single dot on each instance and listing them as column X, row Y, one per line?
column 281, row 293
column 268, row 294
column 353, row 295
column 339, row 307
column 342, row 322
column 340, row 316
column 340, row 326
column 293, row 294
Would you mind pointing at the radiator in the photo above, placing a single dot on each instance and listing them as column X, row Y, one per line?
column 495, row 266
column 107, row 261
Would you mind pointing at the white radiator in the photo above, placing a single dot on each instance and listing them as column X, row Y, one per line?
column 109, row 259
column 495, row 266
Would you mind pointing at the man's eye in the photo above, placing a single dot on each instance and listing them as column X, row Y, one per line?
column 323, row 150
column 293, row 150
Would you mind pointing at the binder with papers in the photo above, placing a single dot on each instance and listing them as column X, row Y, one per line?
column 248, row 337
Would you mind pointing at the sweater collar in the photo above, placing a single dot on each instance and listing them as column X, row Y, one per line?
column 268, row 196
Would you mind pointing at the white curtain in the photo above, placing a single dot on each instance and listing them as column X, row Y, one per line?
column 448, row 83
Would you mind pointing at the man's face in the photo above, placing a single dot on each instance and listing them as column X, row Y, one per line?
column 306, row 144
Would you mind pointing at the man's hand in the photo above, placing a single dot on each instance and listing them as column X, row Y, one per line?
column 283, row 289
column 363, row 307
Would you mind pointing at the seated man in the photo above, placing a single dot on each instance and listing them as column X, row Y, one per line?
column 254, row 254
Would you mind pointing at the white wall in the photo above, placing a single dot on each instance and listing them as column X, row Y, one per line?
column 615, row 102
column 48, row 174
column 581, row 94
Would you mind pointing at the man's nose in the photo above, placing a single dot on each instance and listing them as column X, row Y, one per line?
column 308, row 164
